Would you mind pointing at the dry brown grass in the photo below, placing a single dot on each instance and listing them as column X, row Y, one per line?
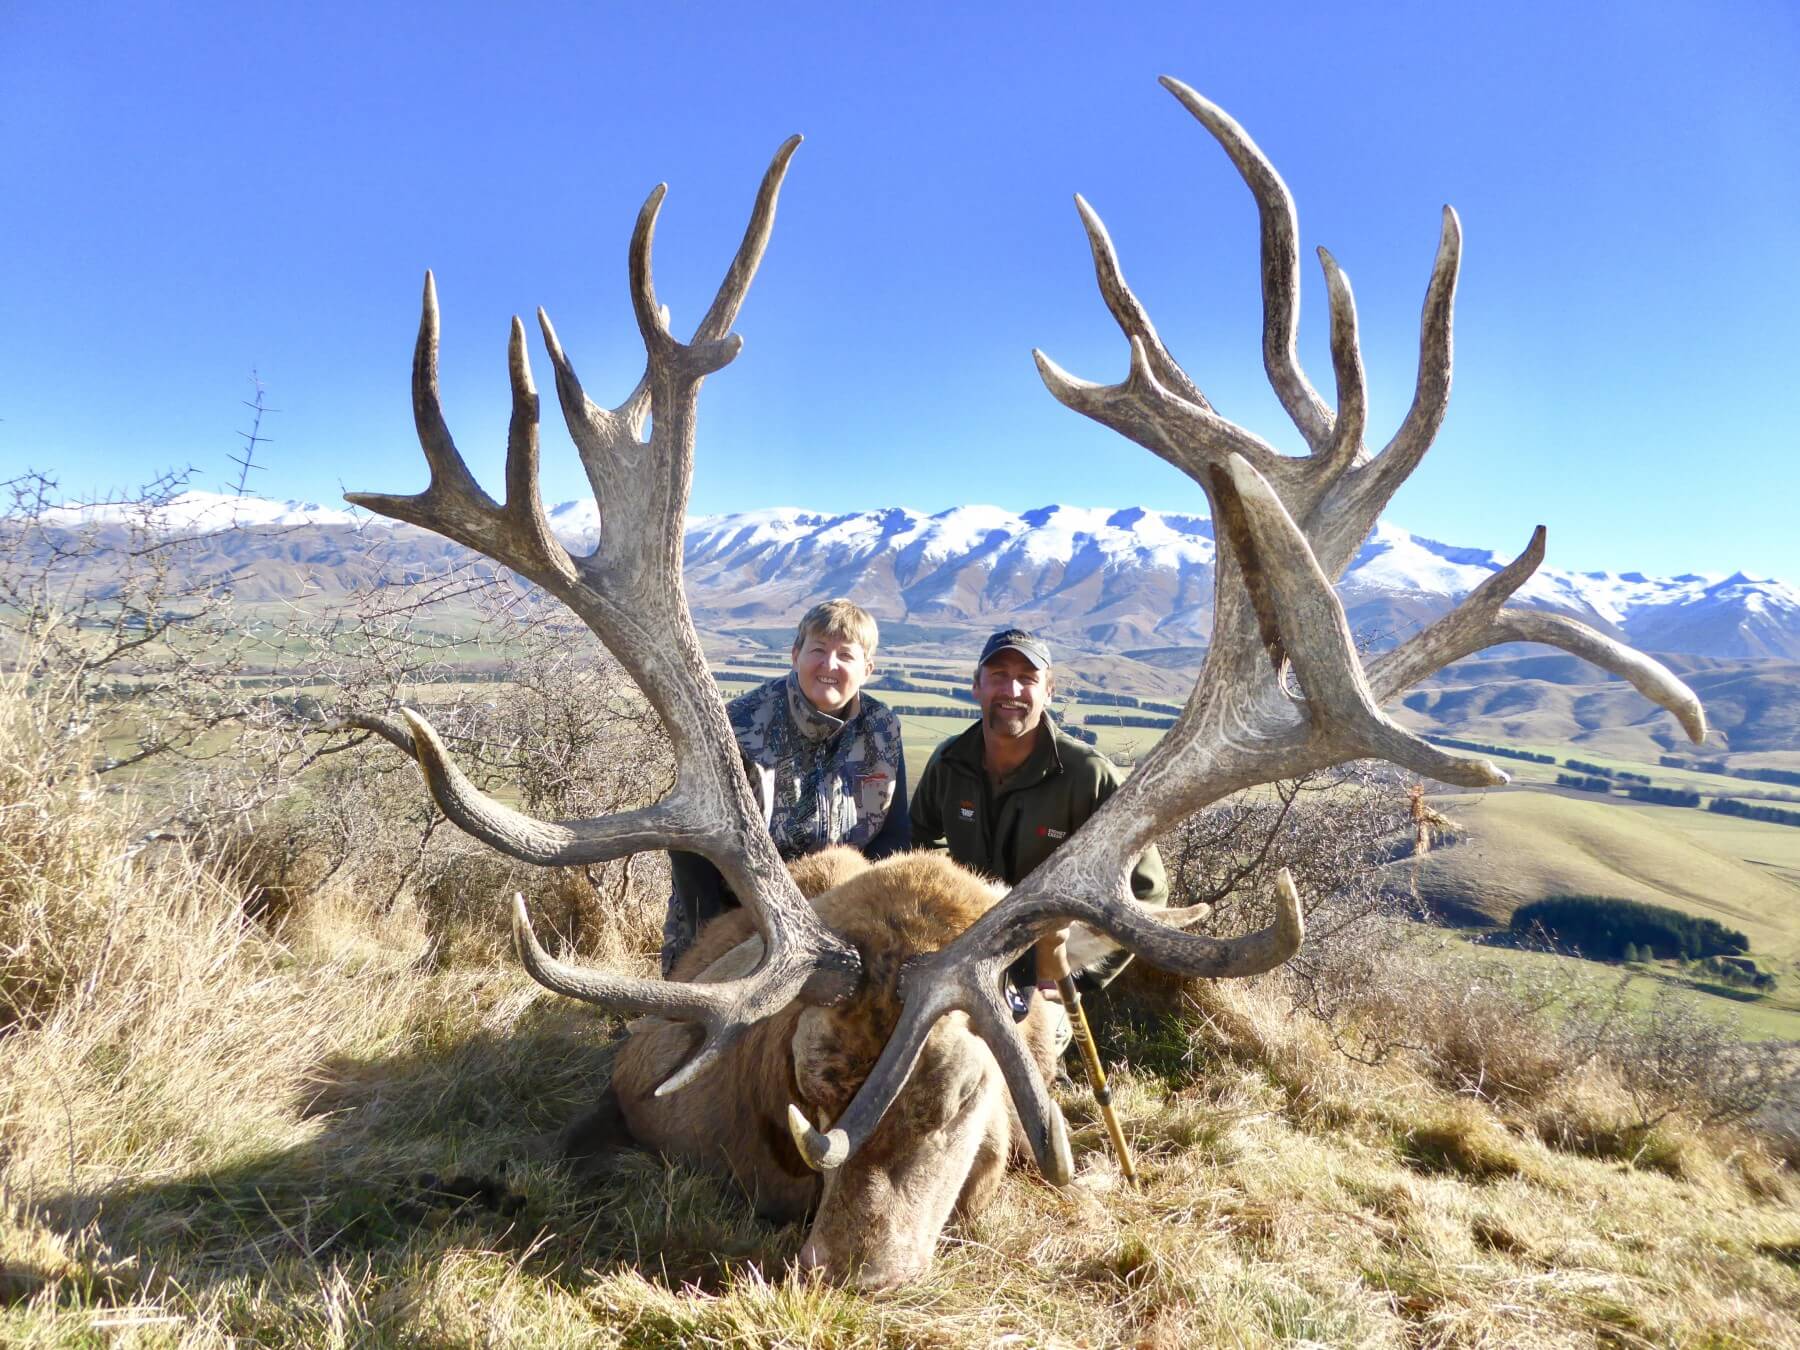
column 61, row 897
column 212, row 1133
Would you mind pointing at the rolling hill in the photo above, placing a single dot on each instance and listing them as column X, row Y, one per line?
column 1523, row 845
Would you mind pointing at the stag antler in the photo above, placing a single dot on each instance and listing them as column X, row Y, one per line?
column 1286, row 529
column 629, row 593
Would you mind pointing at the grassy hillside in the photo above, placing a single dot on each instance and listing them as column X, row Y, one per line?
column 216, row 1130
column 1524, row 844
column 309, row 1142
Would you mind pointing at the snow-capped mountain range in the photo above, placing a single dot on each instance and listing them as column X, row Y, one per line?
column 1128, row 578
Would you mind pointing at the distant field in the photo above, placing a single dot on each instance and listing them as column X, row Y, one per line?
column 1526, row 842
column 1776, row 1018
column 1524, row 845
column 1707, row 784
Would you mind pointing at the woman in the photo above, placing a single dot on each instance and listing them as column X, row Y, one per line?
column 824, row 757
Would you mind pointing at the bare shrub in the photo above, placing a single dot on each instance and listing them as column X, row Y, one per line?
column 581, row 740
column 572, row 736
column 1330, row 830
column 578, row 736
column 124, row 614
column 1488, row 1027
column 1672, row 1057
column 564, row 733
column 230, row 731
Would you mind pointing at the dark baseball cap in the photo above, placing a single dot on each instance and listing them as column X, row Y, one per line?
column 1032, row 648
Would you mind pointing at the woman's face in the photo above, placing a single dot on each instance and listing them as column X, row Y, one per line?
column 832, row 669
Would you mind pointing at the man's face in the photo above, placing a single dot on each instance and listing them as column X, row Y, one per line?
column 1012, row 693
column 832, row 669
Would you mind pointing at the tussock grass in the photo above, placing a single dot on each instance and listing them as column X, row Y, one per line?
column 214, row 1131
column 61, row 898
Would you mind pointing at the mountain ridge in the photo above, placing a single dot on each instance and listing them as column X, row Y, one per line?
column 1102, row 576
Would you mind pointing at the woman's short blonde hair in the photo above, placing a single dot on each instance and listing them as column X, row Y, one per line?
column 839, row 618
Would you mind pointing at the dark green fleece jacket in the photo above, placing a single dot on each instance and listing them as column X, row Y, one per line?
column 1007, row 831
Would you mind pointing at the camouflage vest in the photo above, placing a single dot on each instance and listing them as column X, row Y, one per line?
column 832, row 780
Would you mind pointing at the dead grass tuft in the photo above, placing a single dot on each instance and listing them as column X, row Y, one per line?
column 1786, row 1251
column 1461, row 1139
column 61, row 857
column 1594, row 1122
column 1763, row 1177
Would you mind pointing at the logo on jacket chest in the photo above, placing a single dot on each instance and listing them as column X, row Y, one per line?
column 874, row 792
column 966, row 810
column 1045, row 832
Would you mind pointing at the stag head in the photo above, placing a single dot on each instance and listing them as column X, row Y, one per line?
column 1283, row 691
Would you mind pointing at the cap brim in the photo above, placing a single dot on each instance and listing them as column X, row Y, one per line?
column 1037, row 662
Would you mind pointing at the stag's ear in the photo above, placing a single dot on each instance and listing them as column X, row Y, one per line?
column 1089, row 951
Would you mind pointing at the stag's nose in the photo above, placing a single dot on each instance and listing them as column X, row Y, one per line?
column 870, row 1277
column 877, row 1277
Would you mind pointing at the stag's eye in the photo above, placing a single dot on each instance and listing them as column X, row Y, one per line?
column 941, row 1091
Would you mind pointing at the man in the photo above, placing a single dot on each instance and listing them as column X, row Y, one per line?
column 824, row 757
column 1004, row 793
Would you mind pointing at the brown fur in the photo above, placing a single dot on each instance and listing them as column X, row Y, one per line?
column 953, row 1116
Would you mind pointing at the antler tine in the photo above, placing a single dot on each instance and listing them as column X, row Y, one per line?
column 722, row 313
column 1316, row 635
column 453, row 503
column 1649, row 677
column 1280, row 265
column 1347, row 365
column 655, row 998
column 1342, row 520
column 1415, row 658
column 1043, row 1124
column 547, row 843
column 1128, row 311
column 524, row 503
column 1188, row 435
column 721, row 1010
column 449, row 474
column 1479, row 622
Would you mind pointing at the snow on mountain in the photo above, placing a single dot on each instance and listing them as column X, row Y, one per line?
column 1048, row 534
column 1138, row 576
column 1130, row 577
column 187, row 512
column 576, row 523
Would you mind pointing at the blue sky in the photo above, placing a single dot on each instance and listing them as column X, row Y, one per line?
column 259, row 186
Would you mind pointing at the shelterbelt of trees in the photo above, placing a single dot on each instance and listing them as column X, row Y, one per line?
column 1603, row 927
